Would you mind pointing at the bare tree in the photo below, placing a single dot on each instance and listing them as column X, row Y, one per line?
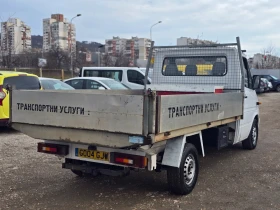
column 28, row 59
column 122, row 60
column 57, row 58
column 269, row 60
column 108, row 60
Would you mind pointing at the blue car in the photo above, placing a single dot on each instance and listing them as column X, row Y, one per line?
column 274, row 81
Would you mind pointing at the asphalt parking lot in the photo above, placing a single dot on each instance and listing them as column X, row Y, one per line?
column 229, row 179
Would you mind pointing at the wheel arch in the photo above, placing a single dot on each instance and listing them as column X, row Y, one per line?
column 174, row 149
column 258, row 119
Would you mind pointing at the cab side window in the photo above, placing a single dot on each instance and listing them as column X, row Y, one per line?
column 247, row 75
column 246, row 80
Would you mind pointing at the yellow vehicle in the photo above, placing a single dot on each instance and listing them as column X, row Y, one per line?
column 19, row 80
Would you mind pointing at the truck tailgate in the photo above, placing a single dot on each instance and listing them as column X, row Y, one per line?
column 99, row 110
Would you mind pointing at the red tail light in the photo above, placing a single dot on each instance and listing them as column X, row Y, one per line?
column 2, row 95
column 55, row 149
column 128, row 160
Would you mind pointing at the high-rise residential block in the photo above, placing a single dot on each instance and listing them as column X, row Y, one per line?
column 15, row 37
column 134, row 48
column 58, row 33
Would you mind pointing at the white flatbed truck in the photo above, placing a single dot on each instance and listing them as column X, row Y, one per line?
column 163, row 127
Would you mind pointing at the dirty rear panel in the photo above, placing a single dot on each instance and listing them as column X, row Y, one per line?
column 110, row 111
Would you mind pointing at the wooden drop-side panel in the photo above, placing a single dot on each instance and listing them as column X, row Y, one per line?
column 103, row 112
column 182, row 111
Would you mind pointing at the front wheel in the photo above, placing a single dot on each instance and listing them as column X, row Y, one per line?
column 182, row 180
column 251, row 142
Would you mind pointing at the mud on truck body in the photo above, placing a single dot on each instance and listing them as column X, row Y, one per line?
column 199, row 95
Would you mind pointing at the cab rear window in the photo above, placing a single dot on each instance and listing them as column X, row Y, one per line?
column 23, row 82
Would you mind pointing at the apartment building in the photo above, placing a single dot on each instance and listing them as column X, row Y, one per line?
column 15, row 37
column 58, row 33
column 136, row 49
column 189, row 41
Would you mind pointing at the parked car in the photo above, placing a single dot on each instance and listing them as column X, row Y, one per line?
column 129, row 76
column 261, row 87
column 95, row 83
column 54, row 84
column 270, row 85
column 266, row 84
column 274, row 81
column 19, row 80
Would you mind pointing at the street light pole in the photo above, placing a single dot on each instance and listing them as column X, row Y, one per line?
column 152, row 27
column 71, row 60
column 99, row 54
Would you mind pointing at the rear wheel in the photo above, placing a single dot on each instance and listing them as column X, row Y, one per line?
column 182, row 180
column 251, row 142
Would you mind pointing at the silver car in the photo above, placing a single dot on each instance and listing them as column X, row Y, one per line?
column 54, row 84
column 100, row 83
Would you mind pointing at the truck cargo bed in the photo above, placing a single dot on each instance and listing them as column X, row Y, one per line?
column 108, row 118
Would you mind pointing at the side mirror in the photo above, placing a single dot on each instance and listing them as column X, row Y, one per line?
column 101, row 88
column 256, row 82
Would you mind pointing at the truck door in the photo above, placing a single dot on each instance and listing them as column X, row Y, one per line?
column 250, row 103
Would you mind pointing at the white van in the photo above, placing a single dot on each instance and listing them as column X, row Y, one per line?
column 131, row 77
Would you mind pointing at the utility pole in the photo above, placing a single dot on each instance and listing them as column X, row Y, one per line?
column 71, row 59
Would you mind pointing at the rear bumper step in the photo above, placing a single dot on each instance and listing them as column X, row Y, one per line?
column 94, row 170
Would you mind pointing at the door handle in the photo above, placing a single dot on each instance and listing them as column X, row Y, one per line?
column 245, row 96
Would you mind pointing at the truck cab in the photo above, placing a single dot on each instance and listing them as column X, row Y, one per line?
column 251, row 110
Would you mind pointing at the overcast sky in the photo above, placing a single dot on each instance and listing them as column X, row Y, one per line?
column 256, row 22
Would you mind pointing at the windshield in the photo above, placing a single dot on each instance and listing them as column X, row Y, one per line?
column 23, row 82
column 275, row 78
column 114, row 85
column 55, row 85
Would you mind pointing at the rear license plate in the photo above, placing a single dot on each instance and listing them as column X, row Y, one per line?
column 92, row 154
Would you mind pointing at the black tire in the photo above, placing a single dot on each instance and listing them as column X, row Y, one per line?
column 278, row 88
column 177, row 179
column 251, row 142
